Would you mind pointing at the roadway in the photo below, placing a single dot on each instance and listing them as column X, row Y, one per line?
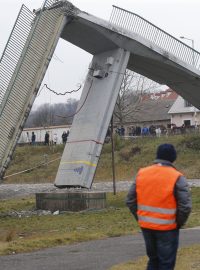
column 91, row 255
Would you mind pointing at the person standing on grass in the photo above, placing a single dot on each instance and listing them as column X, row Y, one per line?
column 161, row 203
column 33, row 138
column 64, row 136
column 46, row 138
column 55, row 138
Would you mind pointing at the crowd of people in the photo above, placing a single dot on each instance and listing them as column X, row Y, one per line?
column 47, row 140
column 146, row 131
column 142, row 131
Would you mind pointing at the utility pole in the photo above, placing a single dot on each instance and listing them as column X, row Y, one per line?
column 113, row 157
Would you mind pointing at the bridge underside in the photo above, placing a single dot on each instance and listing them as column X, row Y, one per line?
column 102, row 39
column 95, row 36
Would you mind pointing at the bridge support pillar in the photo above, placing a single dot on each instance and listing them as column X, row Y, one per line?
column 71, row 201
column 91, row 122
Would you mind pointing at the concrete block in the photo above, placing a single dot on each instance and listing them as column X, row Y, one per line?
column 70, row 201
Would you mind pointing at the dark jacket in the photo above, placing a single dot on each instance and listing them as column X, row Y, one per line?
column 181, row 193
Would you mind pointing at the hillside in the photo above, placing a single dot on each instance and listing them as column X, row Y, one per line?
column 130, row 155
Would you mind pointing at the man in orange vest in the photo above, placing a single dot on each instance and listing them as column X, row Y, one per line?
column 161, row 203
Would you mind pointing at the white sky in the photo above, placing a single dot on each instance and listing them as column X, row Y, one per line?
column 177, row 17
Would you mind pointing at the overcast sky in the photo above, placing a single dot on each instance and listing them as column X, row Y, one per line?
column 69, row 65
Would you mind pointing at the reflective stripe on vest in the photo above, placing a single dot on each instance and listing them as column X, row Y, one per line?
column 157, row 220
column 157, row 209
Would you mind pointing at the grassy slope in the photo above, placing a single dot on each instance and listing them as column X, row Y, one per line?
column 29, row 233
column 25, row 234
column 36, row 232
column 127, row 163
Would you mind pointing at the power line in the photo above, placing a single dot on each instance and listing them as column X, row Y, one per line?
column 80, row 106
column 32, row 168
column 63, row 94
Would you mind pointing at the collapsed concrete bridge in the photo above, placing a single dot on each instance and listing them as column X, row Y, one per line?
column 125, row 41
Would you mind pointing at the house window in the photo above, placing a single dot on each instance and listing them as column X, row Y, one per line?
column 187, row 123
column 187, row 104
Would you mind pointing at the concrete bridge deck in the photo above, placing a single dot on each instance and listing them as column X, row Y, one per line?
column 95, row 36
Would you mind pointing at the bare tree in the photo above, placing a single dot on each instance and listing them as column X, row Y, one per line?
column 42, row 116
column 53, row 114
column 133, row 88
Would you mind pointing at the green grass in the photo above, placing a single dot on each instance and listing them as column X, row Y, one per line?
column 187, row 258
column 17, row 204
column 29, row 156
column 126, row 161
column 194, row 219
column 188, row 160
column 37, row 232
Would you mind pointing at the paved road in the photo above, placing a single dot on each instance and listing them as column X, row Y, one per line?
column 92, row 255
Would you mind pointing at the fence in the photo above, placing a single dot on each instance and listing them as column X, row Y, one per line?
column 146, row 29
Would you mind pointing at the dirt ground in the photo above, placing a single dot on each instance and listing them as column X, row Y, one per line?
column 23, row 190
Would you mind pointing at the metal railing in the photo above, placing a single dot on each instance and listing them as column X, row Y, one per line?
column 149, row 31
column 15, row 45
column 22, row 68
column 14, row 48
column 49, row 4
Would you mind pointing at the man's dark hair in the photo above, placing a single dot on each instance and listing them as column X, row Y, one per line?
column 166, row 152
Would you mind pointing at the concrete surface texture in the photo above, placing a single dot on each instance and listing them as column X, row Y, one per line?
column 70, row 201
column 165, row 65
column 116, row 47
column 92, row 255
column 90, row 124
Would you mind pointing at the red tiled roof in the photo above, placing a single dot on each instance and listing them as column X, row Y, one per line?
column 167, row 94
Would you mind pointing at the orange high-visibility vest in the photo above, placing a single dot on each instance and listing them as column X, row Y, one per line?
column 155, row 197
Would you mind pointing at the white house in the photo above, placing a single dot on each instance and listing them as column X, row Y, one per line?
column 40, row 133
column 184, row 113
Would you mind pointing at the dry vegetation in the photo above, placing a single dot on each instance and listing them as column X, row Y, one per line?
column 130, row 155
column 22, row 234
column 36, row 232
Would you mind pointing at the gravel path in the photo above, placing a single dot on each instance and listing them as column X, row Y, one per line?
column 21, row 190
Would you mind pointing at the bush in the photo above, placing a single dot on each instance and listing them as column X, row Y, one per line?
column 127, row 153
column 118, row 144
column 191, row 142
column 10, row 235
